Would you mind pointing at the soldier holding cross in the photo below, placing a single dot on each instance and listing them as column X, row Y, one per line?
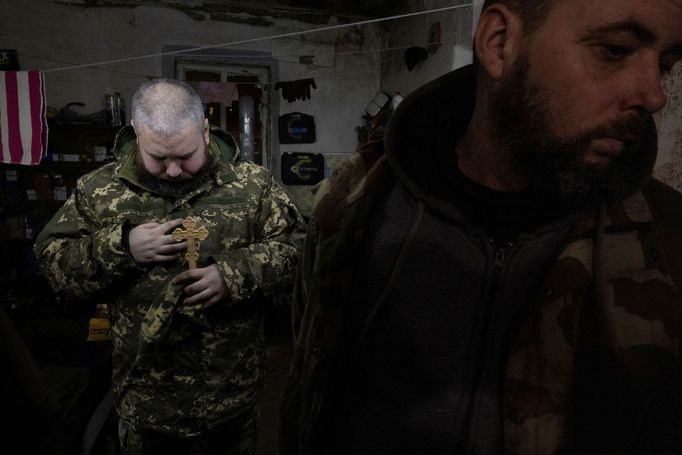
column 185, row 238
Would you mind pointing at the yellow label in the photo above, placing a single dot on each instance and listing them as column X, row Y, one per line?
column 99, row 330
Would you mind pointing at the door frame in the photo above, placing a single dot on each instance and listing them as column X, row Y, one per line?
column 258, row 62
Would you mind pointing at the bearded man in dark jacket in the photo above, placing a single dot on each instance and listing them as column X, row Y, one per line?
column 502, row 275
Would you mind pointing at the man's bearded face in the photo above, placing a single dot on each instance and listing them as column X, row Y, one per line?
column 176, row 189
column 524, row 124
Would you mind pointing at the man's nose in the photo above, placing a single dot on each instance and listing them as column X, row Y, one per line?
column 648, row 88
column 173, row 169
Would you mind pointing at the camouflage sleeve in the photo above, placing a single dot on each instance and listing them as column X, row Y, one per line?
column 269, row 263
column 79, row 256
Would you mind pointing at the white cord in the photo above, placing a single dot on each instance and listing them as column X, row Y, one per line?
column 253, row 40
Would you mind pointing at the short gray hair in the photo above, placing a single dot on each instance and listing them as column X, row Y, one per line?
column 166, row 106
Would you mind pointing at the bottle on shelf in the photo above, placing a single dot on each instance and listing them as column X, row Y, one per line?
column 99, row 327
column 115, row 109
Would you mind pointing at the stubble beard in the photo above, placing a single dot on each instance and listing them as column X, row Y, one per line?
column 176, row 189
column 550, row 165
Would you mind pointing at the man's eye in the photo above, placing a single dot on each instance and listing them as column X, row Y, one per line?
column 615, row 51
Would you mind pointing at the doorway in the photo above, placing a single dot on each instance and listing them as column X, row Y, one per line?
column 248, row 117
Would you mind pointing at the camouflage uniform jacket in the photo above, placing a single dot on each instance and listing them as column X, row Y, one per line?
column 596, row 366
column 176, row 368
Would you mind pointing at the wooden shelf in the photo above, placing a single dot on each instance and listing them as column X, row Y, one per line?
column 17, row 268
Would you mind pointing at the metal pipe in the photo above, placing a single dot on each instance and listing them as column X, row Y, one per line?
column 246, row 126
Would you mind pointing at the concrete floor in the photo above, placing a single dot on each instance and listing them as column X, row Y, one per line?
column 279, row 340
column 279, row 356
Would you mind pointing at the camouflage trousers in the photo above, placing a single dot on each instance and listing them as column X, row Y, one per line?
column 234, row 437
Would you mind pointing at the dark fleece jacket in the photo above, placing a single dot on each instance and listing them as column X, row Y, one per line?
column 593, row 365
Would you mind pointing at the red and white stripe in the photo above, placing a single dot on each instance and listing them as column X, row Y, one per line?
column 23, row 125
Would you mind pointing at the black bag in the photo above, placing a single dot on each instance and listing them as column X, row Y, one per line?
column 296, row 128
column 302, row 168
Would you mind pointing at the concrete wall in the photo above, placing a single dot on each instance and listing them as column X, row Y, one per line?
column 455, row 51
column 669, row 163
column 49, row 36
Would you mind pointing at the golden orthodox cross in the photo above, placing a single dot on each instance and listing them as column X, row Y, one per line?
column 191, row 235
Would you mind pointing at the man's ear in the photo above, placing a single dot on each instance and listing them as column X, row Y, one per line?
column 207, row 135
column 497, row 40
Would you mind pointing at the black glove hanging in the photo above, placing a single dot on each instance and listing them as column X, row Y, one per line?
column 304, row 87
column 296, row 90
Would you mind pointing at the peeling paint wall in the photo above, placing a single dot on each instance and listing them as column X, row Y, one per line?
column 49, row 35
column 261, row 12
column 343, row 91
column 669, row 163
column 455, row 50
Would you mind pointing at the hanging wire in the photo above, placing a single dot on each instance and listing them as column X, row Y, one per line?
column 253, row 40
column 241, row 56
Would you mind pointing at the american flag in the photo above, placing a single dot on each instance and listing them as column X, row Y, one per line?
column 23, row 125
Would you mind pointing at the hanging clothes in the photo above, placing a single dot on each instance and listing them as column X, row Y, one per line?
column 218, row 92
column 23, row 125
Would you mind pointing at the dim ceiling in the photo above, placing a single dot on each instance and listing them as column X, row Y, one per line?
column 262, row 12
